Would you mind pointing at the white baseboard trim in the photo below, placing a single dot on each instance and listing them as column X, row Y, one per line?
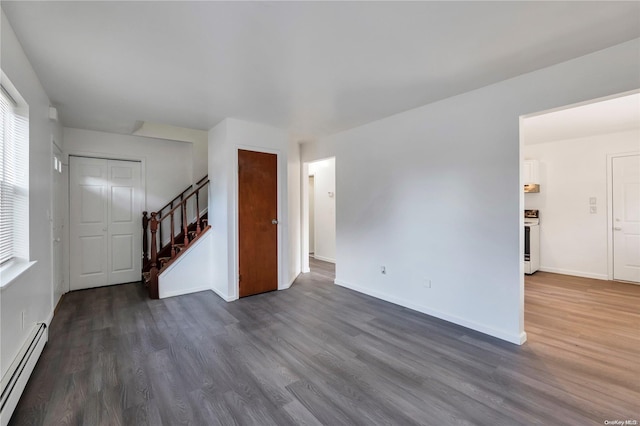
column 23, row 366
column 165, row 294
column 324, row 259
column 290, row 283
column 523, row 337
column 517, row 339
column 224, row 297
column 574, row 273
column 306, row 270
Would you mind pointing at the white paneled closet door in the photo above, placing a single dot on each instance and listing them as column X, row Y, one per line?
column 105, row 222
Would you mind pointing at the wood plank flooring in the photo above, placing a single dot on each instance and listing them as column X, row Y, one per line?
column 324, row 269
column 322, row 354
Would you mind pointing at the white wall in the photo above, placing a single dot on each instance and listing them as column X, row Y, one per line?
column 199, row 139
column 32, row 292
column 324, row 205
column 221, row 213
column 435, row 194
column 189, row 273
column 572, row 240
column 61, row 189
column 168, row 164
column 224, row 141
column 317, row 150
column 294, row 203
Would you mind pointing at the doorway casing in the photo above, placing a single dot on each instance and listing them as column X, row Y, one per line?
column 236, row 227
column 304, row 211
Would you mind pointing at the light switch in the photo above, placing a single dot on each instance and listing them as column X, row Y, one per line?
column 593, row 201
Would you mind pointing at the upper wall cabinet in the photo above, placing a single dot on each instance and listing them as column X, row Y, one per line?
column 530, row 171
column 531, row 176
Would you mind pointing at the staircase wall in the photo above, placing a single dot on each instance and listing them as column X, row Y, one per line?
column 191, row 272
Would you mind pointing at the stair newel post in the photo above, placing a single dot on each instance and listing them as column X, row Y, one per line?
column 145, row 239
column 185, row 230
column 153, row 273
column 198, row 230
column 173, row 247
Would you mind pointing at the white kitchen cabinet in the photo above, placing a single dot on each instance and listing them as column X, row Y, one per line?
column 530, row 172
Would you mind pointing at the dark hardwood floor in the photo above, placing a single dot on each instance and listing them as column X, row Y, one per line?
column 321, row 354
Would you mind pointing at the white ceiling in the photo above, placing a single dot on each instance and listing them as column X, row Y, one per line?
column 603, row 117
column 314, row 68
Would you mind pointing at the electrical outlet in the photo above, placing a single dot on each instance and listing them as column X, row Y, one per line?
column 383, row 270
column 593, row 209
column 426, row 283
column 593, row 201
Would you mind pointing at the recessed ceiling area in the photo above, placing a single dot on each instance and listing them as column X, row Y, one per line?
column 313, row 68
column 601, row 117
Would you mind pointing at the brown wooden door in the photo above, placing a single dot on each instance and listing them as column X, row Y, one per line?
column 257, row 210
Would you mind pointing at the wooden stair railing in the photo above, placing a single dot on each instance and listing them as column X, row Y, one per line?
column 145, row 221
column 163, row 255
column 170, row 206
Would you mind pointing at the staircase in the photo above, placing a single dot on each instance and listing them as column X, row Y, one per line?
column 182, row 221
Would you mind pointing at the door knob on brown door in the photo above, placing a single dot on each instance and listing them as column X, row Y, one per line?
column 274, row 221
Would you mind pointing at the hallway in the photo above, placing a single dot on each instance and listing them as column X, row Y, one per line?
column 321, row 268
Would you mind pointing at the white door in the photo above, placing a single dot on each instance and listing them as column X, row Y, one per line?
column 124, row 207
column 626, row 218
column 105, row 222
column 57, row 221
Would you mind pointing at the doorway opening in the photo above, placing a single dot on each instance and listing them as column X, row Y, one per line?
column 319, row 217
column 567, row 154
column 589, row 223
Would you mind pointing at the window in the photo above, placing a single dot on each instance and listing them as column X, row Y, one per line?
column 14, row 175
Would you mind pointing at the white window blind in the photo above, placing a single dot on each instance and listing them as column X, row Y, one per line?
column 14, row 181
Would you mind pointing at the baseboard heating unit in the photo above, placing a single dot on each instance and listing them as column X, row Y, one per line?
column 15, row 379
